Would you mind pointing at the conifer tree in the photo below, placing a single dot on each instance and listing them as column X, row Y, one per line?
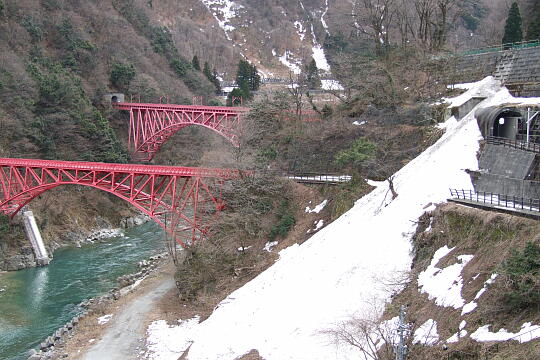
column 247, row 76
column 512, row 29
column 206, row 71
column 195, row 63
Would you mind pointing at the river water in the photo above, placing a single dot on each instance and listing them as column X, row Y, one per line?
column 35, row 302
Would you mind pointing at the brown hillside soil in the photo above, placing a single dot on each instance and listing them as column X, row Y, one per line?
column 490, row 237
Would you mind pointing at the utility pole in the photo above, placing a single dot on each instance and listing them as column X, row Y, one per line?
column 402, row 330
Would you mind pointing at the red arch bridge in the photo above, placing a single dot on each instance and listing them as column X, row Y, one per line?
column 151, row 125
column 181, row 200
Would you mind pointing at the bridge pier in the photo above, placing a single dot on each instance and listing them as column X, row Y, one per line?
column 33, row 234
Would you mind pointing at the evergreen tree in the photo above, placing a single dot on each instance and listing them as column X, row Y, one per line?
column 195, row 63
column 206, row 71
column 512, row 29
column 247, row 77
column 312, row 75
column 212, row 76
column 533, row 31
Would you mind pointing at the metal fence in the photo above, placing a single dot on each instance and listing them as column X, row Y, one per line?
column 515, row 144
column 511, row 46
column 507, row 201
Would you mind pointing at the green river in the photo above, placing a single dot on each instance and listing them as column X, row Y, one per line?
column 35, row 302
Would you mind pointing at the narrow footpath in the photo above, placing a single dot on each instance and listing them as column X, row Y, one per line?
column 126, row 332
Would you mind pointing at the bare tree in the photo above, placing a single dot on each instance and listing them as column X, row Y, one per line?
column 374, row 19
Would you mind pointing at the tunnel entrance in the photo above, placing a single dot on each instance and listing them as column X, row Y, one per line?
column 507, row 123
column 506, row 127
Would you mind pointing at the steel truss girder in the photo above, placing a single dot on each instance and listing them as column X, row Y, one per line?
column 181, row 200
column 152, row 125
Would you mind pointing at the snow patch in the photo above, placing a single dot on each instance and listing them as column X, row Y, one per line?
column 269, row 245
column 292, row 64
column 527, row 333
column 320, row 58
column 223, row 11
column 472, row 305
column 317, row 209
column 104, row 319
column 444, row 285
column 427, row 333
column 331, row 85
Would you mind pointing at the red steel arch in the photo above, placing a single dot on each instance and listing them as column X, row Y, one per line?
column 180, row 199
column 151, row 125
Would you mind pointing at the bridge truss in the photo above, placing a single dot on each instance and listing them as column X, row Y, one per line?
column 181, row 200
column 152, row 125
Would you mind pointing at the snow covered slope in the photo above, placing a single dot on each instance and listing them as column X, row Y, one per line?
column 337, row 272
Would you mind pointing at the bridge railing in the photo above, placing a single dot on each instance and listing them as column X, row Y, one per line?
column 317, row 178
column 502, row 47
column 507, row 201
column 515, row 144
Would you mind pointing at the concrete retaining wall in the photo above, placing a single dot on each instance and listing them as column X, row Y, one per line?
column 505, row 161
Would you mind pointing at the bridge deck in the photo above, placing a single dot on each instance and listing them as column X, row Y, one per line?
column 173, row 107
column 124, row 168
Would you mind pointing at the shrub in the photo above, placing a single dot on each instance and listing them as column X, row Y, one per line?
column 180, row 67
column 33, row 28
column 122, row 75
column 360, row 151
column 201, row 269
column 285, row 221
column 522, row 272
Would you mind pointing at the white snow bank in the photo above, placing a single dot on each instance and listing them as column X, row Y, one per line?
column 427, row 333
column 320, row 58
column 317, row 209
column 485, row 88
column 444, row 285
column 169, row 342
column 527, row 333
column 328, row 278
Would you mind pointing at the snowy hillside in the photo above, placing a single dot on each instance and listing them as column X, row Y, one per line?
column 339, row 271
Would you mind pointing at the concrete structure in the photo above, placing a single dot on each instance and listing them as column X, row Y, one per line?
column 460, row 110
column 507, row 171
column 510, row 122
column 517, row 68
column 33, row 234
column 115, row 97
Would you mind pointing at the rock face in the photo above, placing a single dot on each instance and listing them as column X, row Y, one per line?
column 17, row 262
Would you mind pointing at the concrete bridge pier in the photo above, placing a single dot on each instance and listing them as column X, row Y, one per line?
column 33, row 234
